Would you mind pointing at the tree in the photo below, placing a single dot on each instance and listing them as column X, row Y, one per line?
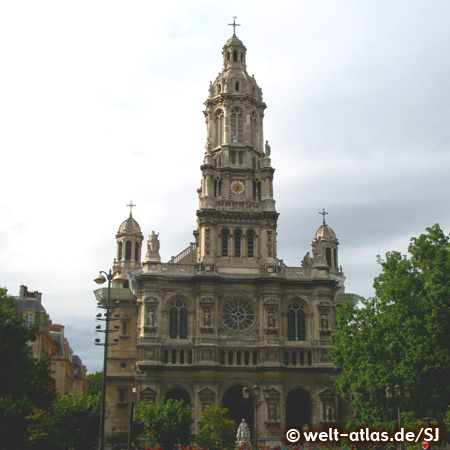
column 166, row 423
column 25, row 383
column 217, row 430
column 399, row 336
column 76, row 421
column 94, row 383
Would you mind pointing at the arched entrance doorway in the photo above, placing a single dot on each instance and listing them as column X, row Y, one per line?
column 178, row 393
column 238, row 408
column 298, row 409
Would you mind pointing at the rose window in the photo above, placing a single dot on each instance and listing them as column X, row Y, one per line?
column 238, row 315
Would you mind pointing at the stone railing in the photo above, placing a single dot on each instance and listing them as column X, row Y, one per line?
column 295, row 272
column 182, row 254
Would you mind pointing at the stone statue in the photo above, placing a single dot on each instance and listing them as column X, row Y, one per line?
column 153, row 248
column 153, row 242
column 208, row 146
column 207, row 318
column 267, row 149
column 306, row 263
column 324, row 321
column 151, row 318
column 271, row 319
column 273, row 412
column 243, row 433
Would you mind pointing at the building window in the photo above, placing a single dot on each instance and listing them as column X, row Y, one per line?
column 236, row 86
column 250, row 243
column 335, row 258
column 235, row 55
column 237, row 244
column 178, row 320
column 296, row 323
column 328, row 256
column 219, row 120
column 128, row 251
column 237, row 125
column 225, row 234
column 136, row 251
column 253, row 128
column 29, row 319
column 119, row 252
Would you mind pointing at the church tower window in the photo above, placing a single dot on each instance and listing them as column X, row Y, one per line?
column 250, row 243
column 136, row 251
column 225, row 234
column 236, row 86
column 237, row 126
column 119, row 252
column 335, row 258
column 253, row 129
column 178, row 320
column 237, row 244
column 128, row 251
column 296, row 323
column 219, row 120
column 235, row 55
column 328, row 256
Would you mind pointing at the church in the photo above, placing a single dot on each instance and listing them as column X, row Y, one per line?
column 226, row 323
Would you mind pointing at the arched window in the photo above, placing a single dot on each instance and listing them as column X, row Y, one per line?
column 335, row 258
column 250, row 244
column 181, row 356
column 242, row 56
column 236, row 86
column 166, row 356
column 136, row 251
column 228, row 56
column 253, row 128
column 328, row 256
column 222, row 357
column 225, row 234
column 230, row 357
column 247, row 358
column 255, row 358
column 219, row 88
column 235, row 55
column 190, row 357
column 296, row 323
column 219, row 120
column 237, row 125
column 238, row 358
column 119, row 252
column 178, row 320
column 128, row 251
column 237, row 243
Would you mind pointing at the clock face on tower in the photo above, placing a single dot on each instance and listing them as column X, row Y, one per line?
column 237, row 187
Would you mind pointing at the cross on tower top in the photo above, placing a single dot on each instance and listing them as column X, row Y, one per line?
column 323, row 213
column 131, row 205
column 234, row 25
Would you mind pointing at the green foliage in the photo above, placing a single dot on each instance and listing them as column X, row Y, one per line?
column 25, row 383
column 400, row 336
column 217, row 430
column 167, row 423
column 76, row 421
column 94, row 383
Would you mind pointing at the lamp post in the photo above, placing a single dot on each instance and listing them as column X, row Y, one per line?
column 256, row 404
column 398, row 392
column 100, row 279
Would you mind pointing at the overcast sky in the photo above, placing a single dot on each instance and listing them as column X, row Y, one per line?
column 101, row 103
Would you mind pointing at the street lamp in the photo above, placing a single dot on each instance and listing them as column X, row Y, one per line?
column 100, row 279
column 256, row 404
column 399, row 393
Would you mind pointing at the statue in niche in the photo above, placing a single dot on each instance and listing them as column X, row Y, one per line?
column 271, row 319
column 267, row 149
column 208, row 146
column 273, row 416
column 328, row 413
column 324, row 321
column 207, row 318
column 151, row 318
column 306, row 262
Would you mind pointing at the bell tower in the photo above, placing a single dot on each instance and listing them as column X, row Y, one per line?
column 236, row 219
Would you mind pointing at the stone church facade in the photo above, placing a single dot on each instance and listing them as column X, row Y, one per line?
column 226, row 313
